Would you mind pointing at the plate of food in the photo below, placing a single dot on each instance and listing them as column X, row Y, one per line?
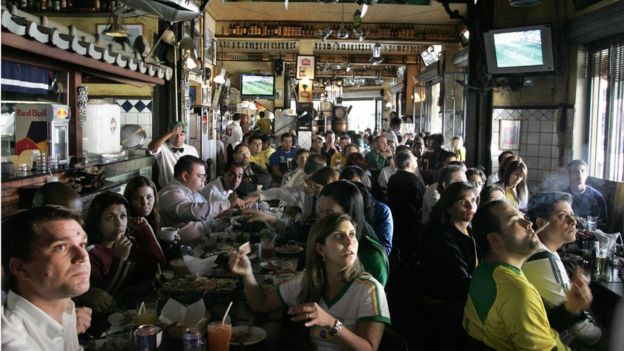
column 276, row 265
column 243, row 335
column 192, row 287
column 289, row 249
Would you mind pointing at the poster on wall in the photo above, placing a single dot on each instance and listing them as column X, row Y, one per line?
column 305, row 67
column 509, row 135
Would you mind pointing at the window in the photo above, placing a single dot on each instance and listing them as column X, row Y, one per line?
column 606, row 111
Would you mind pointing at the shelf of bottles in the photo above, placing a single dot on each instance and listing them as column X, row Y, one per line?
column 234, row 45
column 255, row 57
column 355, row 47
column 65, row 6
column 381, row 31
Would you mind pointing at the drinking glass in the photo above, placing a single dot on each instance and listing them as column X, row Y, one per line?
column 592, row 223
column 219, row 335
column 601, row 260
column 147, row 311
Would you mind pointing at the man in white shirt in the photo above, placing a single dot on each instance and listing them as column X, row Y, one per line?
column 221, row 191
column 167, row 154
column 233, row 135
column 46, row 264
column 181, row 204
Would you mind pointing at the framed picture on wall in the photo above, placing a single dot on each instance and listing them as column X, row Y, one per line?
column 509, row 138
column 305, row 67
column 208, row 46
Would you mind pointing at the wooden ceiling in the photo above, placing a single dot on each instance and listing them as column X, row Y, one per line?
column 320, row 12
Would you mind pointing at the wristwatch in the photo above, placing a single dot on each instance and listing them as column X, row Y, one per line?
column 336, row 328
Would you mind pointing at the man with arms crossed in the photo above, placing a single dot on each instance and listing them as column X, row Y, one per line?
column 44, row 255
column 503, row 310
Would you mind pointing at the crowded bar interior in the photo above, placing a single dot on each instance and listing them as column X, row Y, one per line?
column 312, row 174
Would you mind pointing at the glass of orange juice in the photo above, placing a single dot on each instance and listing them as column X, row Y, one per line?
column 147, row 311
column 219, row 335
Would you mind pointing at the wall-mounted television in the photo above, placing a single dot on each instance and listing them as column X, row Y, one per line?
column 520, row 50
column 257, row 85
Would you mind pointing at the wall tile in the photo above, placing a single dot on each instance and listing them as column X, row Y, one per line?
column 122, row 118
column 531, row 162
column 545, row 138
column 543, row 163
column 145, row 118
column 547, row 126
column 532, row 150
column 148, row 131
column 132, row 118
column 533, row 138
column 545, row 150
column 534, row 126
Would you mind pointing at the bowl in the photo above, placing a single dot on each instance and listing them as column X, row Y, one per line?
column 242, row 335
column 168, row 233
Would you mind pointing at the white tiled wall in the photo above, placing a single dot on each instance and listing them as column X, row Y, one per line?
column 137, row 111
column 539, row 145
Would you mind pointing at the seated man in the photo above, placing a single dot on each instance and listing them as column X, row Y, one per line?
column 46, row 263
column 545, row 269
column 446, row 176
column 57, row 193
column 221, row 192
column 586, row 201
column 296, row 176
column 181, row 204
column 167, row 154
column 254, row 177
column 282, row 160
column 257, row 155
column 504, row 310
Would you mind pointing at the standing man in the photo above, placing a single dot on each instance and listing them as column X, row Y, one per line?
column 254, row 177
column 181, row 204
column 330, row 147
column 46, row 264
column 377, row 158
column 264, row 123
column 504, row 310
column 168, row 154
column 282, row 160
column 586, row 201
column 233, row 135
column 394, row 132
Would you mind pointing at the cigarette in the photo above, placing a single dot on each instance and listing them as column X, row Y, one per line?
column 542, row 228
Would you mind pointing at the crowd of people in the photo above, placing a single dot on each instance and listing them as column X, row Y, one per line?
column 394, row 225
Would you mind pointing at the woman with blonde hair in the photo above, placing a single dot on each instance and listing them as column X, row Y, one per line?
column 344, row 307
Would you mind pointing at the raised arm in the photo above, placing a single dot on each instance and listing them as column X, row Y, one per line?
column 260, row 300
column 155, row 144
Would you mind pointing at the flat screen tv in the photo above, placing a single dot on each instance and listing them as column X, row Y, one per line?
column 257, row 85
column 520, row 50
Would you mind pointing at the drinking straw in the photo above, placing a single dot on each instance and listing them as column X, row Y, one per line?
column 159, row 270
column 542, row 228
column 226, row 312
column 142, row 308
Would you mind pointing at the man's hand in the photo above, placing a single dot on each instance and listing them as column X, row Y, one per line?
column 175, row 130
column 83, row 319
column 237, row 202
column 579, row 297
column 98, row 299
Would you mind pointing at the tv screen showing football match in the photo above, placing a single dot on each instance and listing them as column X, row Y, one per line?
column 519, row 49
column 257, row 85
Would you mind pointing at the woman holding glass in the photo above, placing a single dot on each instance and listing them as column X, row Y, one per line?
column 344, row 307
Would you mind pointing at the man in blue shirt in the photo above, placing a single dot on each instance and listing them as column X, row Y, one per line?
column 283, row 160
column 586, row 201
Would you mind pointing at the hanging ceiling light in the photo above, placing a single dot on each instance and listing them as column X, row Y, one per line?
column 343, row 33
column 327, row 32
column 116, row 29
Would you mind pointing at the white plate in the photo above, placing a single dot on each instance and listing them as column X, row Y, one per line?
column 289, row 249
column 255, row 335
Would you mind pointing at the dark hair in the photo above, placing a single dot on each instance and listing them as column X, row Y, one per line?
column 254, row 136
column 329, row 132
column 576, row 163
column 483, row 223
column 402, row 159
column 324, row 175
column 521, row 188
column 57, row 193
column 133, row 186
column 541, row 204
column 265, row 138
column 446, row 173
column 437, row 138
column 348, row 197
column 401, row 148
column 348, row 146
column 287, row 135
column 476, row 171
column 502, row 156
column 239, row 146
column 453, row 193
column 314, row 163
column 369, row 201
column 446, row 154
column 395, row 121
column 356, row 159
column 487, row 191
column 185, row 164
column 20, row 232
column 503, row 165
column 98, row 205
column 261, row 114
column 233, row 164
column 237, row 116
column 351, row 172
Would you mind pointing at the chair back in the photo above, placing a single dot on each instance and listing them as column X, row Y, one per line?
column 391, row 341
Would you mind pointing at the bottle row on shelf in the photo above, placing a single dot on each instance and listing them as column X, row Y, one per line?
column 65, row 5
column 380, row 31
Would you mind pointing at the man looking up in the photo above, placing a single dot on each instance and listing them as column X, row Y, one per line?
column 504, row 310
column 378, row 157
column 254, row 177
column 167, row 154
column 181, row 204
column 586, row 201
column 257, row 156
column 46, row 263
column 282, row 160
column 546, row 271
